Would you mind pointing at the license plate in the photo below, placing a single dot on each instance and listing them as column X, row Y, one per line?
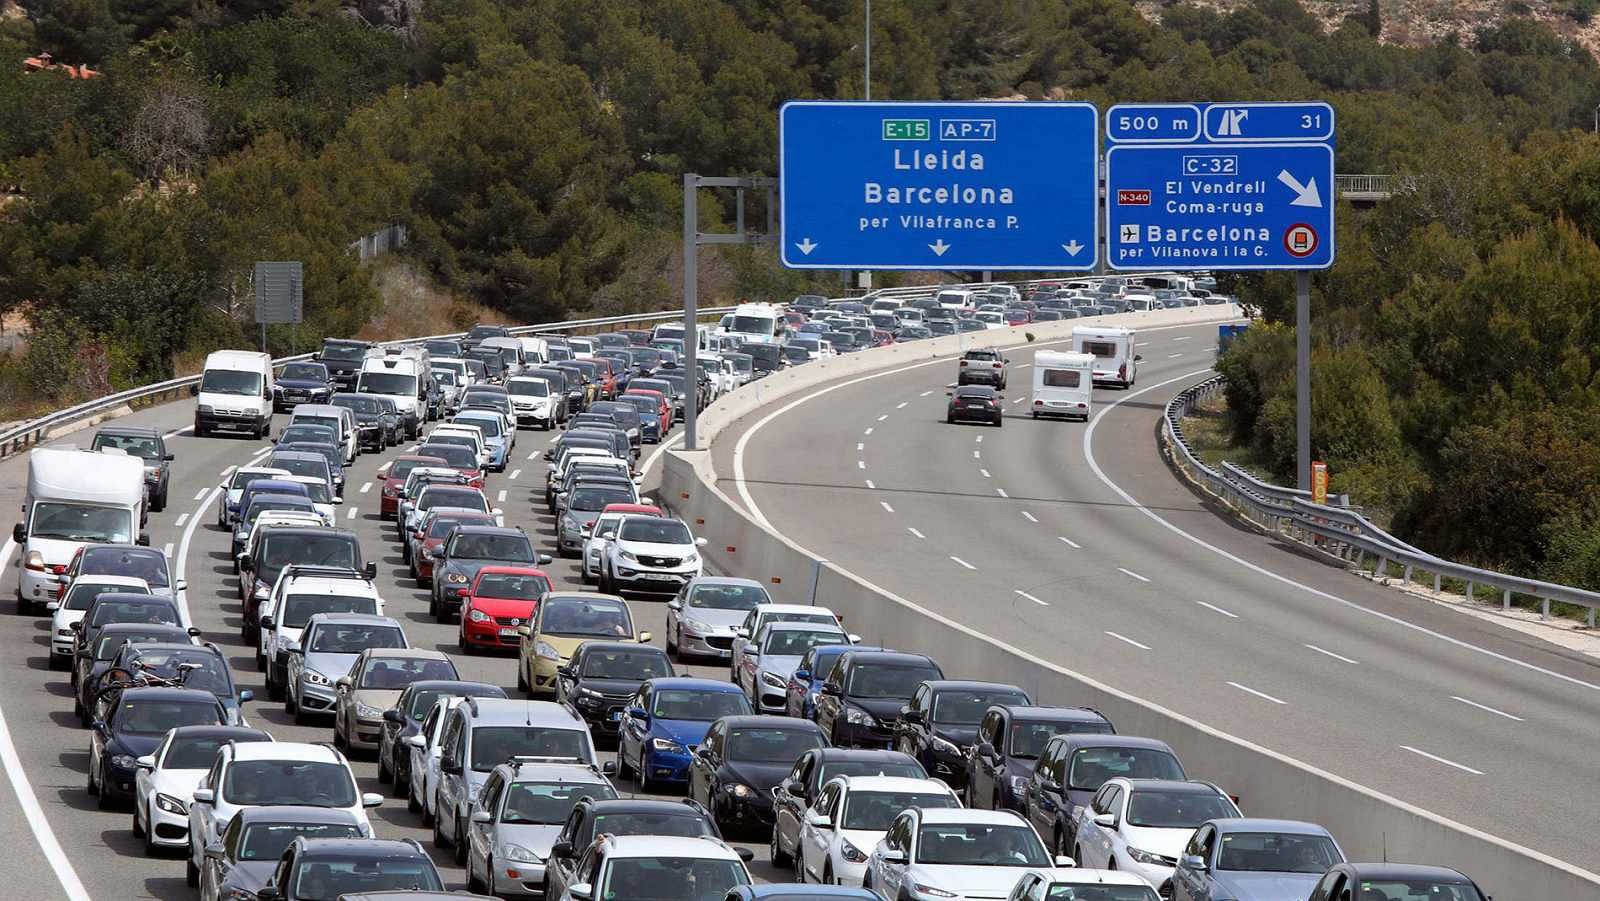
column 660, row 577
column 508, row 633
column 616, row 716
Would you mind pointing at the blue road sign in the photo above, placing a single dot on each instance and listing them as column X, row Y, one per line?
column 1216, row 204
column 1156, row 123
column 996, row 186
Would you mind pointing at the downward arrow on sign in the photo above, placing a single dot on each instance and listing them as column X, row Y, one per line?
column 806, row 246
column 939, row 247
column 1072, row 247
column 1305, row 194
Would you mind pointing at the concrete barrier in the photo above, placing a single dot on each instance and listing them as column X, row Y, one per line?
column 1369, row 824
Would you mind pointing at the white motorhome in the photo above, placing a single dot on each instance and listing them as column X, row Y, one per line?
column 1063, row 384
column 74, row 498
column 396, row 377
column 235, row 393
column 1115, row 361
column 535, row 350
column 754, row 323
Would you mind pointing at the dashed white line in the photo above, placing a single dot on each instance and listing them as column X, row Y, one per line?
column 182, row 518
column 1437, row 759
column 1068, row 541
column 514, row 474
column 1260, row 694
column 1032, row 598
column 1001, row 492
column 554, row 438
column 353, row 512
column 1182, row 338
column 977, row 455
column 1129, row 572
column 365, row 487
column 228, row 469
column 868, row 431
column 901, row 405
column 1018, row 400
column 861, row 445
column 915, row 532
column 985, row 473
column 167, row 550
column 501, row 497
column 1173, row 356
column 1141, row 344
column 885, row 506
column 962, row 562
column 925, row 394
column 200, row 495
column 978, row 438
column 883, row 417
column 1215, row 609
column 1029, row 516
column 870, row 485
column 861, row 464
column 1486, row 707
column 1125, row 638
column 1328, row 653
column 534, row 455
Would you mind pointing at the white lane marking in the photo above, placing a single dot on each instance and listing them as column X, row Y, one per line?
column 1068, row 541
column 353, row 512
column 514, row 474
column 365, row 487
column 1032, row 598
column 978, row 438
column 1094, row 465
column 870, row 485
column 1018, row 400
column 1029, row 516
column 1486, row 707
column 925, row 394
column 901, row 405
column 1125, row 638
column 554, row 438
column 1141, row 344
column 176, row 432
column 861, row 464
column 182, row 518
column 1183, row 338
column 203, row 492
column 1001, row 492
column 861, row 445
column 868, row 431
column 883, row 417
column 534, row 455
column 1173, row 356
column 1129, row 572
column 501, row 497
column 1215, row 609
column 977, row 455
column 915, row 532
column 1259, row 694
column 985, row 473
column 206, row 497
column 228, row 469
column 1333, row 655
column 1437, row 759
column 166, row 550
column 23, row 789
column 885, row 506
column 962, row 562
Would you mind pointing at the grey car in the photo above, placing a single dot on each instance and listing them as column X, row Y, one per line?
column 1253, row 859
column 516, row 819
column 329, row 645
column 771, row 657
column 701, row 619
column 148, row 445
column 240, row 864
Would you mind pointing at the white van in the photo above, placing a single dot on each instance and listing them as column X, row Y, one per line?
column 535, row 351
column 75, row 498
column 395, row 377
column 235, row 392
column 753, row 323
column 1063, row 384
column 1143, row 303
column 1115, row 361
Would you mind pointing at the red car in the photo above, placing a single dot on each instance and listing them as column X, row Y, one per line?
column 665, row 406
column 394, row 478
column 606, row 376
column 1017, row 316
column 501, row 599
column 882, row 337
column 431, row 535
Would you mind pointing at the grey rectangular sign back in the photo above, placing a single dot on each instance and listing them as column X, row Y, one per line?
column 280, row 295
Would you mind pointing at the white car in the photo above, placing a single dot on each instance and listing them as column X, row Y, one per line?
column 769, row 659
column 423, row 749
column 639, row 866
column 1142, row 825
column 762, row 614
column 990, row 319
column 167, row 777
column 650, row 554
column 594, row 545
column 1103, row 885
column 70, row 609
column 276, row 773
column 532, row 401
column 850, row 817
column 936, row 855
column 300, row 592
column 232, row 490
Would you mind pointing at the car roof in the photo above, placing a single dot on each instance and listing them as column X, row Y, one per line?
column 789, row 890
column 143, row 628
column 698, row 684
column 584, row 596
column 725, row 580
column 294, row 455
column 1091, row 740
column 307, row 752
column 1084, row 876
column 319, row 531
column 617, row 646
column 1169, row 785
column 791, row 608
column 1265, row 824
column 164, row 693
column 124, row 597
column 1402, row 871
column 1041, row 712
column 518, row 710
column 407, row 653
column 346, row 848
column 969, row 815
column 130, row 430
column 228, row 732
column 108, row 579
column 789, row 625
column 295, row 813
column 486, row 529
column 543, row 771
column 754, row 720
column 888, row 657
column 891, row 784
column 668, row 846
column 347, row 618
column 968, row 685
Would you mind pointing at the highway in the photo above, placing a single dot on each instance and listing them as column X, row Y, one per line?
column 97, row 847
column 1076, row 543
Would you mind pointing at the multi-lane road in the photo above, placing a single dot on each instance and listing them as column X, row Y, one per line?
column 1074, row 542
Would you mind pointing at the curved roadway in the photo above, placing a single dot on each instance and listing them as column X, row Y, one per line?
column 1076, row 543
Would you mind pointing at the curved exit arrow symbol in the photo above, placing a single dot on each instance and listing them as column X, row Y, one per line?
column 1305, row 194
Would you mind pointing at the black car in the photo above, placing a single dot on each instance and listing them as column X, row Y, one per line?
column 602, row 675
column 343, row 359
column 975, row 403
column 1395, row 880
column 618, row 816
column 912, row 333
column 741, row 760
column 240, row 863
column 861, row 698
column 328, row 452
column 124, row 607
column 404, row 720
column 470, row 549
column 940, row 725
column 278, row 546
column 795, row 794
column 372, row 429
column 1000, row 764
column 443, row 347
column 563, row 383
column 315, row 869
column 203, row 667
column 1072, row 768
column 134, row 726
column 624, row 416
column 479, row 332
column 765, row 359
column 91, row 660
column 494, row 365
column 301, row 383
column 148, row 445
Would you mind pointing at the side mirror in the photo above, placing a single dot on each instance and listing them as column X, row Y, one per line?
column 985, row 749
column 169, row 457
column 181, row 585
column 609, row 768
column 1195, row 862
column 52, row 607
column 828, row 688
column 698, row 542
column 194, row 390
column 802, row 675
column 854, row 638
column 561, row 849
column 545, row 559
column 673, row 604
column 77, row 626
column 19, row 534
column 267, row 622
column 889, row 855
column 638, row 713
column 204, row 796
column 1138, row 358
column 795, row 787
column 143, row 540
column 582, row 891
column 246, row 695
column 268, row 893
column 449, row 766
column 745, row 854
column 343, row 683
column 416, row 741
column 372, row 799
column 525, row 631
column 1063, row 860
column 147, row 762
column 644, row 637
column 244, row 560
column 214, row 851
column 911, row 716
column 482, row 816
column 567, row 671
column 394, row 717
column 1107, row 820
column 370, row 571
column 742, row 632
column 817, row 820
column 703, row 753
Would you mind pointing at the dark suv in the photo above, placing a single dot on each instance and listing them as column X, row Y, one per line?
column 1000, row 764
column 940, row 725
column 147, row 445
column 343, row 359
column 862, row 696
column 469, row 549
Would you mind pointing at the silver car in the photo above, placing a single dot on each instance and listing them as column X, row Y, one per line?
column 329, row 645
column 701, row 619
column 518, row 816
column 1250, row 858
column 771, row 657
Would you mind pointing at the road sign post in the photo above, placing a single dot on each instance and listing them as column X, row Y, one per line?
column 972, row 186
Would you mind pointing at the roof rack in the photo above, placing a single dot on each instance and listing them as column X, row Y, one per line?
column 330, row 572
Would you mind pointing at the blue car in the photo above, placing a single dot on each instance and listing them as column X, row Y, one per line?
column 666, row 721
column 784, row 891
column 806, row 682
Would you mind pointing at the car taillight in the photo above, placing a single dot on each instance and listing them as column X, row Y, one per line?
column 997, row 365
column 963, row 364
column 1038, row 403
column 589, row 524
column 1122, row 371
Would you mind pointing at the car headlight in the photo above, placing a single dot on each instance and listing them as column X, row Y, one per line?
column 65, row 633
column 694, row 627
column 316, row 678
column 851, row 852
column 738, row 790
column 944, row 746
column 774, row 680
column 667, row 744
column 367, row 712
column 455, row 578
column 206, row 408
column 124, row 761
column 1145, row 857
column 478, row 616
column 509, row 851
column 1019, row 784
column 626, row 555
column 858, row 717
column 691, row 560
column 932, row 891
column 546, row 651
column 236, row 894
column 171, row 804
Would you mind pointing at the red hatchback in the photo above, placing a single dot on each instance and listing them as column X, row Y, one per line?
column 394, row 475
column 664, row 406
column 458, row 457
column 501, row 599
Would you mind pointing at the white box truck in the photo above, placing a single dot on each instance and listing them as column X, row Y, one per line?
column 235, row 393
column 1115, row 361
column 1063, row 384
column 74, row 498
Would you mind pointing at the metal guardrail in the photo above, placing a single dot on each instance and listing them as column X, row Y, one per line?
column 34, row 431
column 1338, row 531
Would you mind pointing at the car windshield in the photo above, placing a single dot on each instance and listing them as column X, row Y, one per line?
column 1176, row 809
column 141, row 716
column 686, row 824
column 343, row 353
column 481, row 546
column 141, row 446
column 442, row 526
column 261, row 505
column 387, row 383
column 241, row 479
column 1091, row 767
column 198, row 752
column 980, row 845
column 549, row 803
column 1414, row 889
column 78, row 522
column 467, row 498
column 672, row 878
column 148, row 564
column 301, row 466
column 337, row 877
column 1028, row 737
column 206, row 670
column 399, row 469
column 728, row 597
column 631, row 664
column 766, row 745
column 306, row 432
column 598, row 619
column 1277, row 852
column 876, row 810
column 529, row 387
column 310, row 371
column 82, row 595
column 299, row 607
column 395, row 673
column 230, row 381
column 278, row 782
column 596, row 497
column 489, row 426
column 493, row 745
column 698, row 705
column 132, row 612
column 794, row 642
column 953, row 707
column 512, row 586
column 654, row 530
column 108, row 645
column 268, row 841
column 891, row 680
column 456, row 456
column 353, row 638
column 357, row 403
column 318, row 492
column 307, row 548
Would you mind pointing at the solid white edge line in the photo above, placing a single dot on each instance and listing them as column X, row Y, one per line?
column 1215, row 609
column 962, row 562
column 1129, row 572
column 1032, row 598
column 1329, row 653
column 1125, row 638
column 1259, row 694
column 1094, row 465
column 1437, row 759
column 1486, row 707
column 206, row 498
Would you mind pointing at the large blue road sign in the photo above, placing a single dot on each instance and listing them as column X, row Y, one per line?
column 998, row 186
column 1251, row 189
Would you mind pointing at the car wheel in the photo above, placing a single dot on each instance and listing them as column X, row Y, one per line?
column 411, row 801
column 385, row 774
column 92, row 788
column 779, row 858
column 461, row 844
column 439, row 841
column 999, row 421
column 191, row 873
column 522, row 679
column 674, row 642
column 642, row 773
column 104, row 793
column 138, row 829
column 151, row 849
column 474, row 884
